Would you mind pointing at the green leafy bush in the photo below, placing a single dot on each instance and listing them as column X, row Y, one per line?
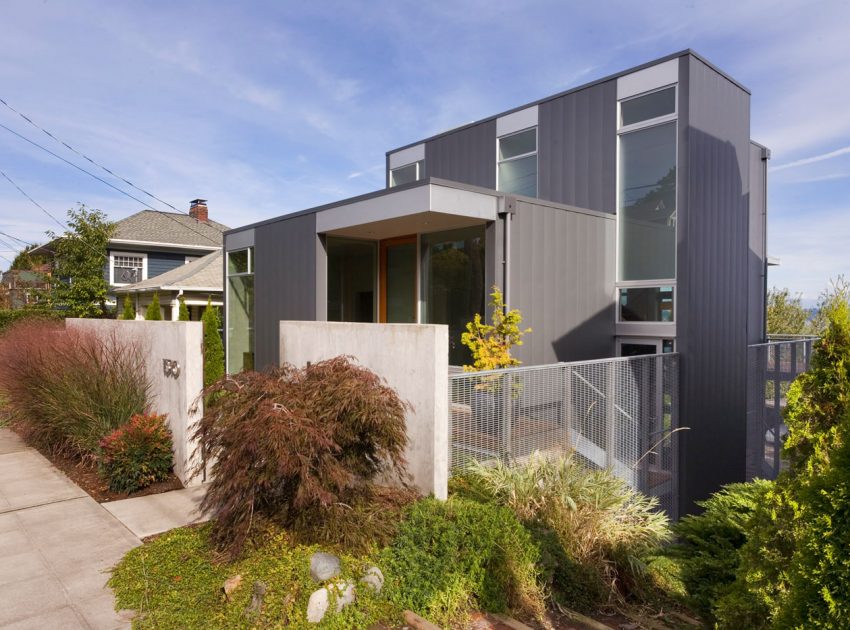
column 213, row 348
column 708, row 551
column 66, row 389
column 10, row 317
column 137, row 454
column 452, row 556
column 599, row 522
column 129, row 313
column 153, row 312
column 291, row 439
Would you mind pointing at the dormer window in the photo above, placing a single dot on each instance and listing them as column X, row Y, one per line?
column 407, row 174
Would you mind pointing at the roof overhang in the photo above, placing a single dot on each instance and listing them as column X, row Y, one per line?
column 176, row 246
column 426, row 208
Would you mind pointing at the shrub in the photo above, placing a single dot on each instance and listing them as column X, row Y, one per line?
column 213, row 348
column 491, row 344
column 293, row 439
column 598, row 520
column 183, row 311
column 137, row 454
column 153, row 312
column 709, row 544
column 67, row 389
column 129, row 312
column 450, row 556
column 10, row 317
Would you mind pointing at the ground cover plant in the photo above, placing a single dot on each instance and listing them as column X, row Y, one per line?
column 137, row 454
column 290, row 440
column 594, row 527
column 66, row 389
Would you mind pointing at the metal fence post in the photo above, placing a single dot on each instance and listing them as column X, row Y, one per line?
column 610, row 411
column 506, row 397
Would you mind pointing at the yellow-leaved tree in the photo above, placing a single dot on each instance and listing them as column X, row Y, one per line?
column 491, row 343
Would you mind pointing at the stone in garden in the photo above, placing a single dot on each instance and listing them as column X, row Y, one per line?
column 317, row 605
column 258, row 592
column 374, row 579
column 230, row 585
column 323, row 566
column 344, row 595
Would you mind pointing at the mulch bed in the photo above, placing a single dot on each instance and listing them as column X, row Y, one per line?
column 86, row 476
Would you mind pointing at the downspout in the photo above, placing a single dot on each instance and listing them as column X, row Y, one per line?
column 765, row 156
column 507, row 211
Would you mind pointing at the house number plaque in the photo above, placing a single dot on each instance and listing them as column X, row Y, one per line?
column 171, row 368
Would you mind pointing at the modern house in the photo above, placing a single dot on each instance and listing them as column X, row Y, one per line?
column 625, row 216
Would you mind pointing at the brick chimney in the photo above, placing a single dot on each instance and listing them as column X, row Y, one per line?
column 198, row 210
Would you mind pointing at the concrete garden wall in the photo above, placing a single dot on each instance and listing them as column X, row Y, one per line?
column 173, row 357
column 413, row 358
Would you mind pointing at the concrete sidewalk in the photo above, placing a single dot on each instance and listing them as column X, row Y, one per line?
column 57, row 544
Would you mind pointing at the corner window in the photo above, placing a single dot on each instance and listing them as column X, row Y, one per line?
column 517, row 163
column 240, row 310
column 407, row 174
column 127, row 268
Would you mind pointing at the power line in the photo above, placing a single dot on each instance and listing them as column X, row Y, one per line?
column 64, row 227
column 103, row 181
column 20, row 240
column 87, row 158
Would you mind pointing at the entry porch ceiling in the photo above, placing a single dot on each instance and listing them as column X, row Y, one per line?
column 418, row 210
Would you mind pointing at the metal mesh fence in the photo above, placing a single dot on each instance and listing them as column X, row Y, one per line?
column 619, row 414
column 771, row 369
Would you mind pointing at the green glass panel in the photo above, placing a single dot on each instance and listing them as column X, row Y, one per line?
column 351, row 280
column 401, row 283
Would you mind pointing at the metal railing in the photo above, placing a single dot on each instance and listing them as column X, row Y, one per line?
column 620, row 414
column 771, row 369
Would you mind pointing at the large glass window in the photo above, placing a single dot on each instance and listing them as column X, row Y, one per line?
column 407, row 174
column 647, row 204
column 517, row 168
column 128, row 268
column 240, row 310
column 352, row 266
column 453, row 283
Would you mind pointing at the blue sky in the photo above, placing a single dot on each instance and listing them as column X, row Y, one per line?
column 269, row 107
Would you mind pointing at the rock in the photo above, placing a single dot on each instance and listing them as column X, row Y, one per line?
column 374, row 579
column 345, row 595
column 419, row 623
column 317, row 605
column 323, row 566
column 230, row 585
column 258, row 593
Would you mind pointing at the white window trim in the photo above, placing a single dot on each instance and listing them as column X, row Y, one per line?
column 113, row 254
column 500, row 161
column 649, row 122
column 250, row 257
column 418, row 164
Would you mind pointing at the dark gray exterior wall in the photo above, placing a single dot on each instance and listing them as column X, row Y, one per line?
column 712, row 278
column 561, row 278
column 467, row 156
column 284, row 281
column 577, row 150
column 758, row 243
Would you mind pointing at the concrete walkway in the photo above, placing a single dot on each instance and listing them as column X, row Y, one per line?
column 57, row 544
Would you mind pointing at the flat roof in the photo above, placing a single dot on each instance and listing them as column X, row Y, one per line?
column 610, row 77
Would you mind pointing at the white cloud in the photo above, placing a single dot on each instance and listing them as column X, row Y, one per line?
column 812, row 159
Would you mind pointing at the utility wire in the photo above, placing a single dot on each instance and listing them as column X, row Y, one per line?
column 103, row 181
column 87, row 158
column 64, row 227
column 20, row 240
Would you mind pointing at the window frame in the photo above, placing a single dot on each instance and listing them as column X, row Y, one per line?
column 649, row 122
column 420, row 171
column 116, row 254
column 641, row 284
column 226, row 294
column 535, row 153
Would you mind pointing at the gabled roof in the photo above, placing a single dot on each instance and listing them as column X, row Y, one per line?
column 151, row 226
column 203, row 274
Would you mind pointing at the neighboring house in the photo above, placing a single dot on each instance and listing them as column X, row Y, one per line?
column 622, row 217
column 196, row 282
column 24, row 287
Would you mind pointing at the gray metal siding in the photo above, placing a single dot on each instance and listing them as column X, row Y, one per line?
column 467, row 156
column 712, row 278
column 561, row 278
column 757, row 253
column 284, row 281
column 577, row 152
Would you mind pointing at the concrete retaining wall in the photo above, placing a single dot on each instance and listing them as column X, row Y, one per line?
column 175, row 392
column 413, row 359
